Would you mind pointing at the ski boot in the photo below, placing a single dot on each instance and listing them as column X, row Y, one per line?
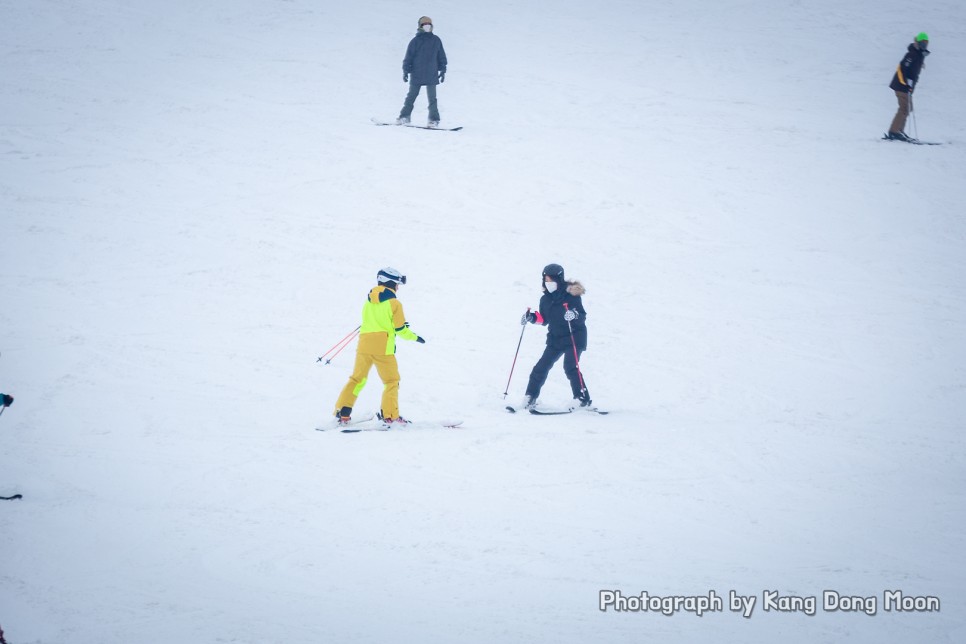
column 393, row 423
column 343, row 417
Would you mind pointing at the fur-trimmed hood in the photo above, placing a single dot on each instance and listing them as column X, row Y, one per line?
column 575, row 288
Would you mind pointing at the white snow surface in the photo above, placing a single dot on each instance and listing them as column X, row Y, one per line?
column 195, row 202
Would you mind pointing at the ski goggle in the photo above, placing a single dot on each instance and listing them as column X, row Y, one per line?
column 385, row 276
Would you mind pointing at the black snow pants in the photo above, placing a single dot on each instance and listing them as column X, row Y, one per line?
column 549, row 358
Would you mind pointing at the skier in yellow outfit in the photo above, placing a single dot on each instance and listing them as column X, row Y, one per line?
column 382, row 320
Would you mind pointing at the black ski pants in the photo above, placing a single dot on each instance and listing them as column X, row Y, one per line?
column 549, row 358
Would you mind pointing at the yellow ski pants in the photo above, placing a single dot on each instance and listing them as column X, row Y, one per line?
column 388, row 370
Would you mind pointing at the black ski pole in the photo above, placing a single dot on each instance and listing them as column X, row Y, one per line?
column 347, row 339
column 513, row 366
column 573, row 342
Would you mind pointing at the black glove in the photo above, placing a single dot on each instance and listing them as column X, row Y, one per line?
column 420, row 339
column 530, row 317
column 442, row 76
column 405, row 77
column 7, row 400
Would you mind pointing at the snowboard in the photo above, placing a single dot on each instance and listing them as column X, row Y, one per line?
column 420, row 127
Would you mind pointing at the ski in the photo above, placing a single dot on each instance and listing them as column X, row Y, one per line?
column 447, row 424
column 885, row 137
column 363, row 418
column 421, row 127
column 558, row 412
column 11, row 498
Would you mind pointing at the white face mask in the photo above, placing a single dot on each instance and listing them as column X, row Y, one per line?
column 427, row 28
column 551, row 286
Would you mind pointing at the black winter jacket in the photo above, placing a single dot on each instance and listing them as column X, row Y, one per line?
column 907, row 74
column 425, row 59
column 552, row 311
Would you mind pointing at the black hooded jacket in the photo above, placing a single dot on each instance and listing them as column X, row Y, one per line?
column 425, row 59
column 552, row 311
column 907, row 73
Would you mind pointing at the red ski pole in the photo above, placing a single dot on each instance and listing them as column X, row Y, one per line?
column 573, row 343
column 341, row 344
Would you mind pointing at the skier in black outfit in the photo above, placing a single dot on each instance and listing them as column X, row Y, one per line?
column 562, row 312
column 904, row 83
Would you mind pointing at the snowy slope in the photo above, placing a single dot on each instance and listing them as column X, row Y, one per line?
column 194, row 204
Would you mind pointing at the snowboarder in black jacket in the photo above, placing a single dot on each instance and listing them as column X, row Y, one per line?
column 562, row 312
column 424, row 65
column 904, row 82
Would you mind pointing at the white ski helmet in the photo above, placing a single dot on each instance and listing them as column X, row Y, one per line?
column 389, row 274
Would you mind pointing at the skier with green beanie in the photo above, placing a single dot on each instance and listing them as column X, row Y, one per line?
column 904, row 82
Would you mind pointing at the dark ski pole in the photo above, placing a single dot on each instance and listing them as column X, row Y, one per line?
column 573, row 343
column 341, row 344
column 513, row 366
column 915, row 126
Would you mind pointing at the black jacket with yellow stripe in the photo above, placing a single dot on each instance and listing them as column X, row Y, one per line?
column 382, row 320
column 907, row 73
